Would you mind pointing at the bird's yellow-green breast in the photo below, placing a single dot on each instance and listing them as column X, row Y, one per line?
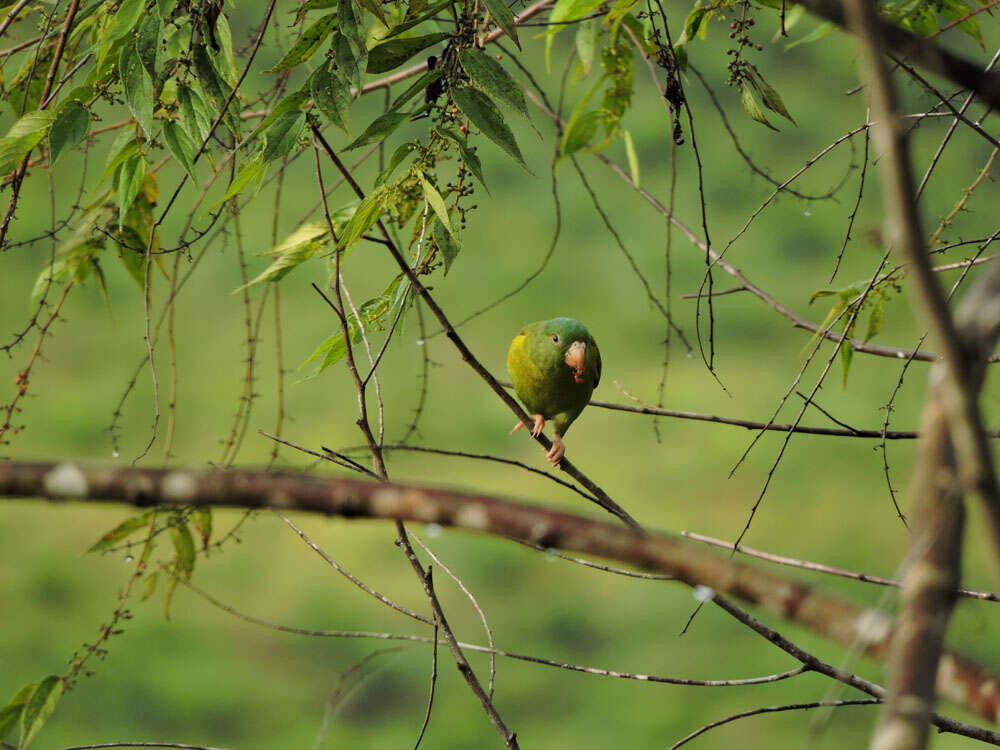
column 555, row 365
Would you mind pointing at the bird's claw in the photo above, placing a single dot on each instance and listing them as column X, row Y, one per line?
column 557, row 451
column 538, row 425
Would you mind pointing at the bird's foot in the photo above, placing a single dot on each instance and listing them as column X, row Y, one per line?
column 557, row 451
column 536, row 430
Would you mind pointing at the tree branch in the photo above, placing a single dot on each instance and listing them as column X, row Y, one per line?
column 962, row 680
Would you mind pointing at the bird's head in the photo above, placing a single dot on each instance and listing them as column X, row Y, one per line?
column 569, row 340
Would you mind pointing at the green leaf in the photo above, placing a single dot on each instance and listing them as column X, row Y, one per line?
column 149, row 585
column 202, row 520
column 875, row 318
column 121, row 532
column 166, row 7
column 389, row 55
column 580, row 132
column 292, row 251
column 183, row 543
column 23, row 136
column 350, row 24
column 333, row 97
column 138, row 87
column 253, row 170
column 351, row 65
column 447, row 242
column 490, row 76
column 378, row 130
column 195, row 116
column 180, row 146
column 130, row 180
column 418, row 19
column 127, row 16
column 363, row 219
column 225, row 59
column 436, row 202
column 401, row 152
column 301, row 10
column 283, row 134
column 694, row 25
column 291, row 103
column 813, row 36
column 307, row 44
column 147, row 42
column 39, row 708
column 11, row 713
column 772, row 99
column 586, row 43
column 331, row 350
column 468, row 155
column 633, row 159
column 123, row 147
column 752, row 107
column 501, row 14
column 953, row 10
column 69, row 129
column 484, row 114
column 847, row 352
column 564, row 11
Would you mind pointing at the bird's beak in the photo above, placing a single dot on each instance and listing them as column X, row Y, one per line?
column 575, row 359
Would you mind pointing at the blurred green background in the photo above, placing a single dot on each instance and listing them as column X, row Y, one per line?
column 205, row 677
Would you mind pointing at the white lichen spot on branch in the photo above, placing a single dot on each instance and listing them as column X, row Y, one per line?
column 66, row 480
column 179, row 486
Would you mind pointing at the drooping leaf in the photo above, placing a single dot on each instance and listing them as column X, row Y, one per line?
column 436, row 202
column 180, row 146
column 491, row 77
column 291, row 103
column 39, row 708
column 225, row 59
column 10, row 714
column 391, row 54
column 563, row 12
column 301, row 10
column 484, row 114
column 121, row 532
column 586, row 43
column 292, row 251
column 771, row 98
column 875, row 318
column 138, row 87
column 195, row 116
column 694, row 25
column 501, row 13
column 363, row 219
column 333, row 97
column 253, row 171
column 448, row 243
column 350, row 24
column 130, row 180
column 813, row 36
column 147, row 42
column 283, row 134
column 752, row 107
column 401, row 152
column 633, row 159
column 379, row 129
column 125, row 18
column 418, row 18
column 307, row 44
column 468, row 155
column 180, row 536
column 149, row 585
column 847, row 352
column 23, row 136
column 69, row 129
column 201, row 518
column 580, row 132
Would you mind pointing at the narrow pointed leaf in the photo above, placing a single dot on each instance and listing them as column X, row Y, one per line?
column 489, row 75
column 484, row 114
column 39, row 708
column 503, row 17
column 283, row 134
column 69, row 129
column 180, row 146
column 379, row 129
column 436, row 202
column 307, row 44
column 138, row 87
column 468, row 155
column 333, row 97
column 133, row 173
column 389, row 55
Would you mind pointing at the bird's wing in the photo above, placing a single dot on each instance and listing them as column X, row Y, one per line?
column 597, row 380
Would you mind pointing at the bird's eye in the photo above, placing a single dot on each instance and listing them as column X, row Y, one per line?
column 555, row 338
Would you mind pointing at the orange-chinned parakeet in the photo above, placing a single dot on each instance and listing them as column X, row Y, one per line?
column 555, row 365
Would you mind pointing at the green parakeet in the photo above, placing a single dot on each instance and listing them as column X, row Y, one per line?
column 555, row 365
